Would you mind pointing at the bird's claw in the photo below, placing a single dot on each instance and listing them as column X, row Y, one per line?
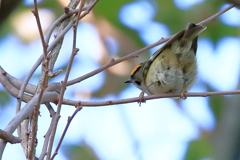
column 183, row 95
column 141, row 99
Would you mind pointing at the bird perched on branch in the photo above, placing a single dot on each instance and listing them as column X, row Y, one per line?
column 173, row 67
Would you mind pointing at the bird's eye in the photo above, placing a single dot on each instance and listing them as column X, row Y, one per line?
column 137, row 82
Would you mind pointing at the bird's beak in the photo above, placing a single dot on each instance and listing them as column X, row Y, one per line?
column 128, row 81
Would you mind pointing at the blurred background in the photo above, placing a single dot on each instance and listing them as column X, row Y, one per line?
column 201, row 128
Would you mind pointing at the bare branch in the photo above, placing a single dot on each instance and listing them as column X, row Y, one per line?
column 7, row 137
column 7, row 81
column 74, row 52
column 65, row 130
column 24, row 134
column 9, row 87
column 31, row 89
column 35, row 13
column 48, row 134
column 33, row 132
column 24, row 113
column 63, row 88
column 50, row 47
column 216, row 15
column 60, row 19
column 88, row 9
column 138, row 99
column 136, row 53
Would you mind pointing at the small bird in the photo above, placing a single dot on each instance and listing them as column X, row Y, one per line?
column 173, row 67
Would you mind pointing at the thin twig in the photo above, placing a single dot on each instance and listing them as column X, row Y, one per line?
column 24, row 113
column 53, row 87
column 33, row 132
column 151, row 97
column 65, row 80
column 40, row 59
column 59, row 105
column 7, row 137
column 48, row 133
column 87, row 10
column 216, row 15
column 65, row 130
column 136, row 53
column 60, row 19
column 113, row 62
column 35, row 13
column 17, row 83
column 9, row 87
column 74, row 52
